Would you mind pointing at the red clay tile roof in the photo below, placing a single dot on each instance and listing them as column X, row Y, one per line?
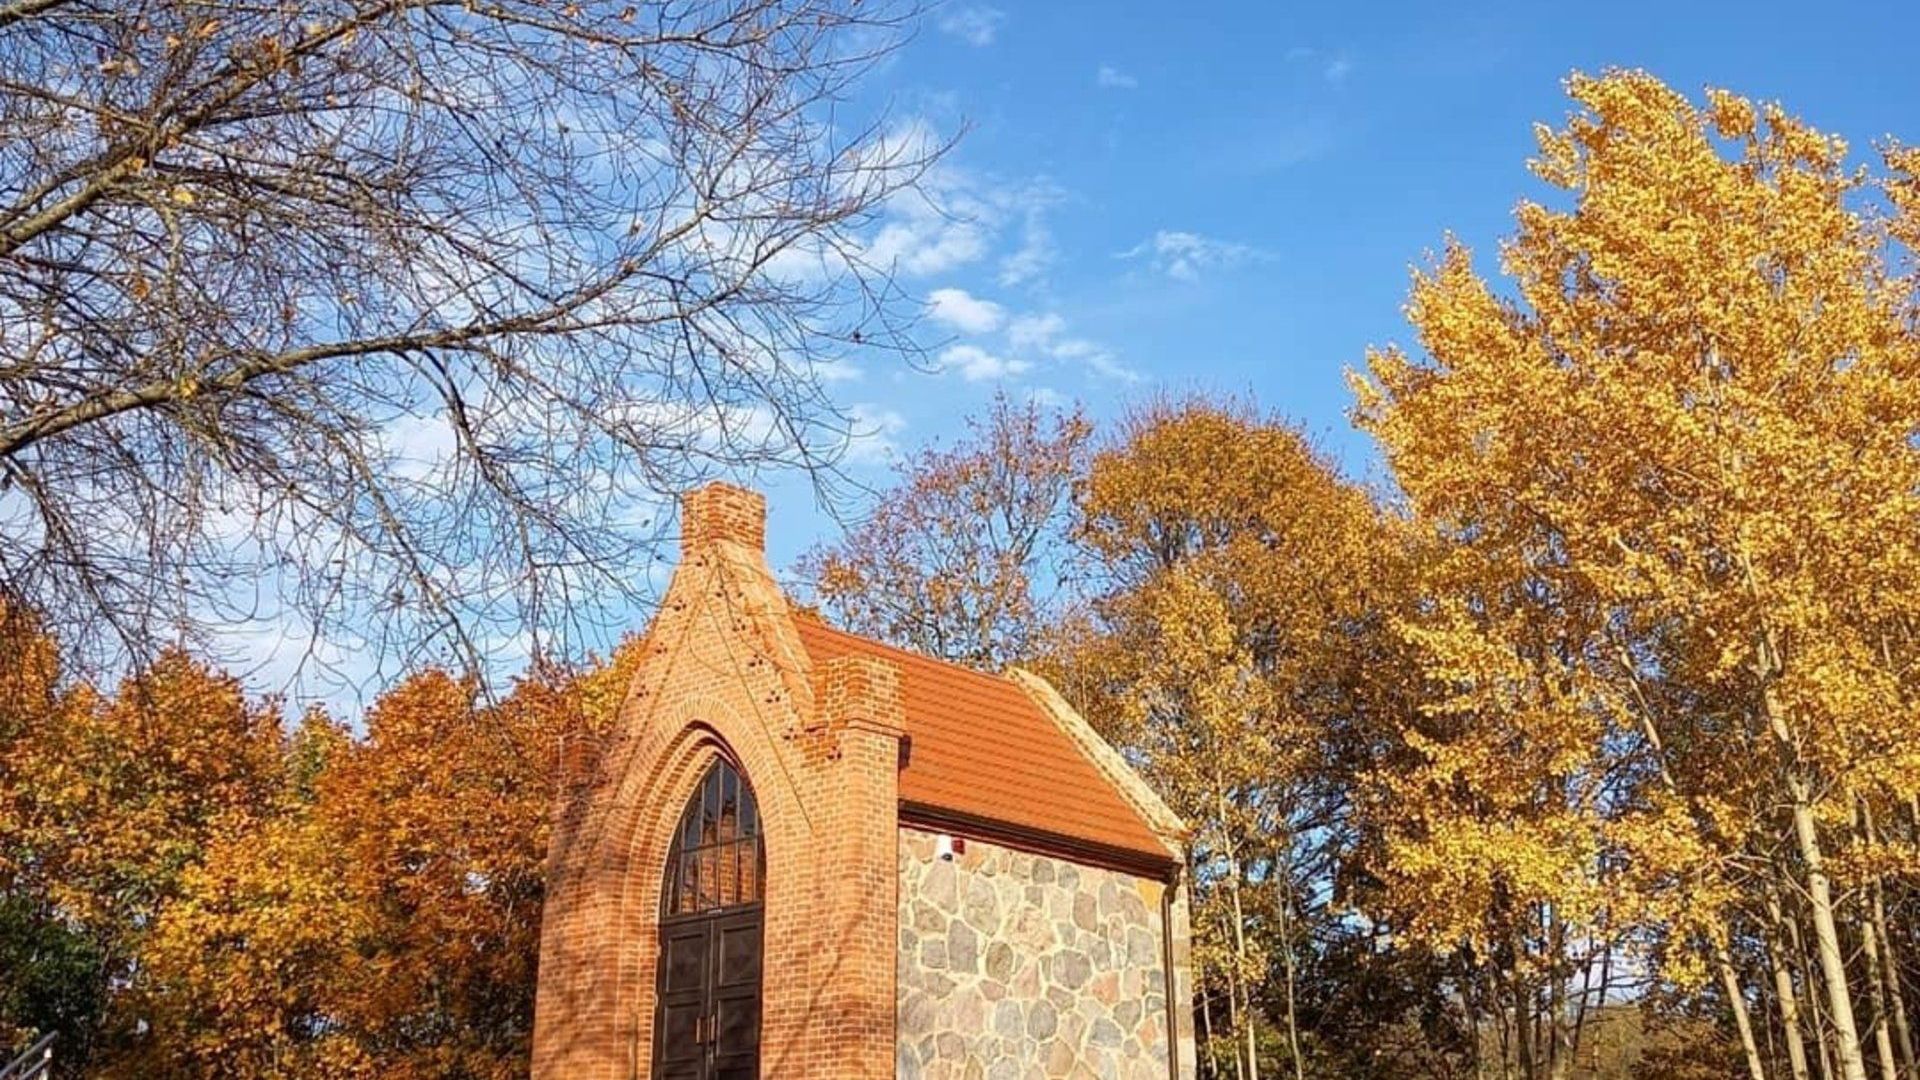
column 982, row 748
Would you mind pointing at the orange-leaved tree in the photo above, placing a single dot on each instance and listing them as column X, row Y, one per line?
column 387, row 919
column 187, row 890
column 109, row 803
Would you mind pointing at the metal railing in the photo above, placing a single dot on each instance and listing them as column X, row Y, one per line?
column 36, row 1063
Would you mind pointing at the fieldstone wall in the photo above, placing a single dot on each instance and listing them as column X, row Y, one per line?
column 1016, row 966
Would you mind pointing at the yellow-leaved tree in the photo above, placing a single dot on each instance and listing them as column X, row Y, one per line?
column 1675, row 459
column 1230, row 645
column 109, row 803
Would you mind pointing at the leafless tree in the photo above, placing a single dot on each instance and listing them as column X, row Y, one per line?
column 391, row 320
column 951, row 560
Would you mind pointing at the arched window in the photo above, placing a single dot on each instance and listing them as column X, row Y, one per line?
column 707, row 1021
column 717, row 860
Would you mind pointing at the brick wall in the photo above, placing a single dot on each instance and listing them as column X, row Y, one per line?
column 725, row 674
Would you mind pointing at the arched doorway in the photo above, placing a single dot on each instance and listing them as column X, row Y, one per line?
column 707, row 1023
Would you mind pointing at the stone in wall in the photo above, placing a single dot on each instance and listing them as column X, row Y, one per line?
column 1015, row 966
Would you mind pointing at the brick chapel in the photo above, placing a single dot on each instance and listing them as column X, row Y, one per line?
column 805, row 854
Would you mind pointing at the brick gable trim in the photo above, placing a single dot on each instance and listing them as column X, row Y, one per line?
column 1136, row 791
column 724, row 675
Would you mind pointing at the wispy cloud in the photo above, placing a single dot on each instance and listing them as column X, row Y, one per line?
column 1046, row 335
column 919, row 239
column 975, row 364
column 1334, row 67
column 964, row 311
column 975, row 24
column 1112, row 78
column 955, row 216
column 1029, row 261
column 1184, row 256
column 835, row 370
column 870, row 434
column 420, row 446
column 933, row 226
column 1035, row 331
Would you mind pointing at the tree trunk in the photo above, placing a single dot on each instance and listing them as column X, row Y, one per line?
column 1877, row 993
column 1902, row 1030
column 1822, row 1037
column 1826, row 935
column 1506, row 1001
column 1559, row 1055
column 1243, row 1003
column 1730, row 979
column 1237, row 1021
column 1243, row 1008
column 1206, row 1029
column 1523, row 1025
column 1583, row 1012
column 1806, row 831
column 1783, row 991
column 1286, row 962
column 1469, row 1006
column 1742, row 1020
column 1889, row 961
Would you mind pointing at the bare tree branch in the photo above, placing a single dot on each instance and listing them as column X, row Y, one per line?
column 393, row 321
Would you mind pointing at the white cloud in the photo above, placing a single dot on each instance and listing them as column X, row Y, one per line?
column 1035, row 331
column 1184, row 256
column 978, row 365
column 964, row 311
column 955, row 216
column 975, row 24
column 1046, row 335
column 934, row 225
column 1035, row 253
column 921, row 240
column 870, row 437
column 420, row 446
column 1112, row 78
column 1105, row 363
column 1337, row 69
column 834, row 370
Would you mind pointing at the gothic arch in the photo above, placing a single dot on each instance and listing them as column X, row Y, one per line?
column 656, row 783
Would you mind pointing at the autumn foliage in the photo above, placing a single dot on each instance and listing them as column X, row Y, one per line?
column 1585, row 745
column 1672, row 677
column 1589, row 744
column 212, row 893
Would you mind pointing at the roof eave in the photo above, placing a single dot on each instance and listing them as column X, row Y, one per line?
column 1157, row 865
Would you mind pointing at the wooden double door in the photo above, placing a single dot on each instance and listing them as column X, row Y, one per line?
column 707, row 1026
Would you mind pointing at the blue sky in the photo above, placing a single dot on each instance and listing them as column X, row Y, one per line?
column 1229, row 197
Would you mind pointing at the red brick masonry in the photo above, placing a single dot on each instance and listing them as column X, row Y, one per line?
column 815, row 719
